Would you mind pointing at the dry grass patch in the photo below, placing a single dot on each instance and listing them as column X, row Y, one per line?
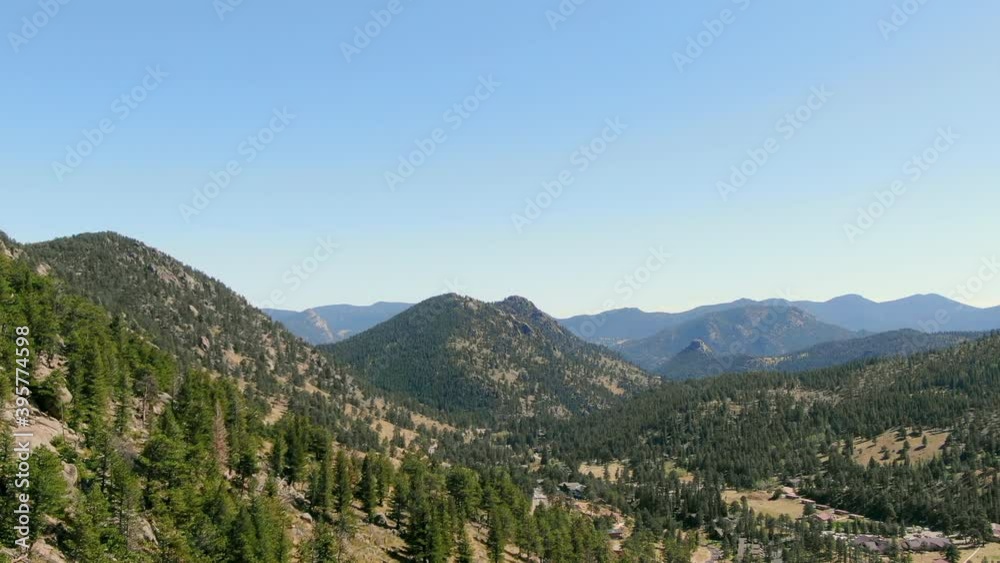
column 866, row 450
column 701, row 555
column 760, row 502
column 421, row 420
column 387, row 430
column 683, row 474
column 278, row 409
column 609, row 471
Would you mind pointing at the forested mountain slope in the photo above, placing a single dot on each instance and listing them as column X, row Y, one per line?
column 620, row 325
column 485, row 362
column 748, row 428
column 189, row 314
column 141, row 457
column 753, row 330
column 112, row 484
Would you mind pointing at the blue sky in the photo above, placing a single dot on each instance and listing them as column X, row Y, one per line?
column 460, row 221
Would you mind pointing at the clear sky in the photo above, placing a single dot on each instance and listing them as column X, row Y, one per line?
column 197, row 85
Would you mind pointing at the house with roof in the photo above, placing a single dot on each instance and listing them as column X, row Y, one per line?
column 875, row 544
column 576, row 490
column 825, row 517
column 926, row 544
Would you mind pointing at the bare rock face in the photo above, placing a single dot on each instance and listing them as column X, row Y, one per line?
column 145, row 532
column 42, row 552
column 698, row 345
column 8, row 247
column 71, row 474
column 44, row 429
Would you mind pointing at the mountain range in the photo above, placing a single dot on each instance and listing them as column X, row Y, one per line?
column 927, row 313
column 739, row 336
column 700, row 360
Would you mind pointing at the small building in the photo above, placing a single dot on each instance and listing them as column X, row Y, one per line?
column 926, row 544
column 823, row 516
column 807, row 501
column 617, row 533
column 576, row 490
column 874, row 544
column 789, row 493
column 996, row 531
column 839, row 512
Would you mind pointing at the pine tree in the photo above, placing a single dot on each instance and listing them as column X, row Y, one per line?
column 278, row 455
column 322, row 489
column 322, row 547
column 367, row 491
column 343, row 493
column 85, row 535
column 220, row 439
column 500, row 522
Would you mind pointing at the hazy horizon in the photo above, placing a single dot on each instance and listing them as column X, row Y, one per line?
column 458, row 288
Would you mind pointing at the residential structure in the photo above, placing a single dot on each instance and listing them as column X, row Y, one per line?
column 576, row 490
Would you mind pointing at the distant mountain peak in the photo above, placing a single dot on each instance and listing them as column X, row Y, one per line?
column 850, row 297
column 517, row 300
column 487, row 360
column 698, row 345
column 333, row 323
column 521, row 306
